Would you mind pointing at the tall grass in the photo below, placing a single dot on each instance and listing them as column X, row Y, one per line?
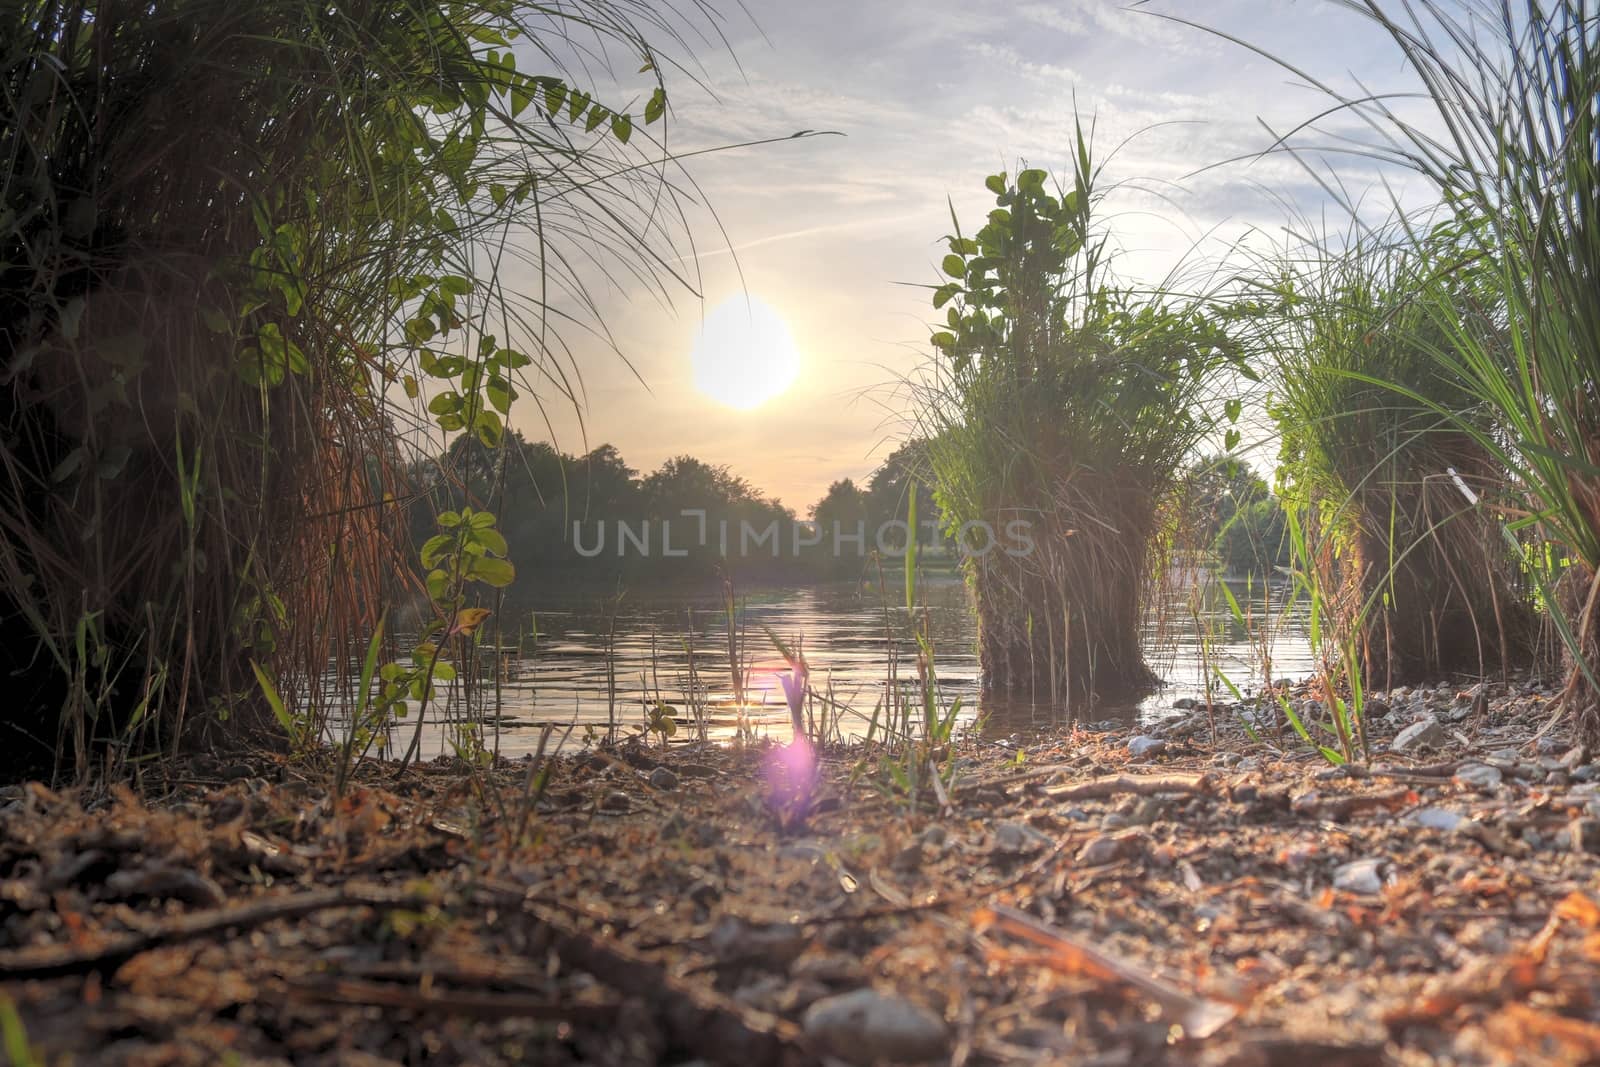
column 1419, row 580
column 1067, row 402
column 231, row 236
column 1511, row 142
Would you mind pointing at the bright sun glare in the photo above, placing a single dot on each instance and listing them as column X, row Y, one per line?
column 744, row 355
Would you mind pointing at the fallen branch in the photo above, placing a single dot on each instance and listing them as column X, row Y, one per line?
column 711, row 1026
column 1134, row 785
column 54, row 961
column 1200, row 1017
column 450, row 1002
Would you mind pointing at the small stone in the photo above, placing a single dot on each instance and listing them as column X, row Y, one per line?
column 1015, row 838
column 1144, row 745
column 804, row 851
column 867, row 1027
column 907, row 859
column 1226, row 759
column 933, row 837
column 1586, row 773
column 1426, row 733
column 1249, row 763
column 1574, row 758
column 663, row 779
column 1584, row 835
column 1360, row 876
column 1186, row 703
column 705, row 893
column 616, row 801
column 1109, row 848
column 1478, row 776
column 1439, row 819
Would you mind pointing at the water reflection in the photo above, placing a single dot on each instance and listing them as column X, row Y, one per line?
column 594, row 662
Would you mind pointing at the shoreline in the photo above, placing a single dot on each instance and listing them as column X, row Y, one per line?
column 1189, row 904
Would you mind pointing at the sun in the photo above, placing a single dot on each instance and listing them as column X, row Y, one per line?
column 744, row 355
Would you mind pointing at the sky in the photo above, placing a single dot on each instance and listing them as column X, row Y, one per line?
column 842, row 234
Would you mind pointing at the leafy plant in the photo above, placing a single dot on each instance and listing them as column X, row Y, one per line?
column 1066, row 401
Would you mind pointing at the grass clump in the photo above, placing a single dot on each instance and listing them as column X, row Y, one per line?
column 1418, row 578
column 1059, row 415
column 232, row 237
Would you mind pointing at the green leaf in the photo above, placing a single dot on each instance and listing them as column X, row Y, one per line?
column 488, row 427
column 577, row 103
column 490, row 571
column 944, row 294
column 69, row 466
column 501, row 393
column 622, row 127
column 275, row 702
column 965, row 246
column 597, row 115
column 445, row 403
column 494, row 541
column 438, row 584
column 955, row 266
column 519, row 99
column 995, row 183
column 656, row 107
column 943, row 339
column 555, row 94
column 434, row 548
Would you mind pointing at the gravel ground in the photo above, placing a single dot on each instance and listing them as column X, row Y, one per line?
column 1092, row 896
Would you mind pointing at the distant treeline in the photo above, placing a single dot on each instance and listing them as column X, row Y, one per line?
column 593, row 520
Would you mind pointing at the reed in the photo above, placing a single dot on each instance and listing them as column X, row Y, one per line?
column 1512, row 145
column 1067, row 401
column 1421, row 582
column 231, row 237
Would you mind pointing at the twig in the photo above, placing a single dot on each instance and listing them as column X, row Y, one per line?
column 451, row 1002
column 707, row 1024
column 1137, row 785
column 54, row 961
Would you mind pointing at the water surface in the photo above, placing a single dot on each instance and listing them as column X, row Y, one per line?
column 595, row 663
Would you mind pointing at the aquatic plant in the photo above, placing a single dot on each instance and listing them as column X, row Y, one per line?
column 1067, row 402
column 231, row 237
column 1419, row 580
column 1511, row 142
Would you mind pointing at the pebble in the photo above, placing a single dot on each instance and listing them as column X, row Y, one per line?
column 616, row 801
column 663, row 779
column 1144, row 745
column 866, row 1027
column 1478, row 776
column 1015, row 838
column 907, row 859
column 1109, row 848
column 933, row 837
column 1439, row 819
column 1585, row 835
column 1425, row 733
column 1360, row 876
column 1186, row 703
column 1574, row 758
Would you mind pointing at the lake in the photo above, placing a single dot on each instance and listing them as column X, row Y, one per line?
column 592, row 662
